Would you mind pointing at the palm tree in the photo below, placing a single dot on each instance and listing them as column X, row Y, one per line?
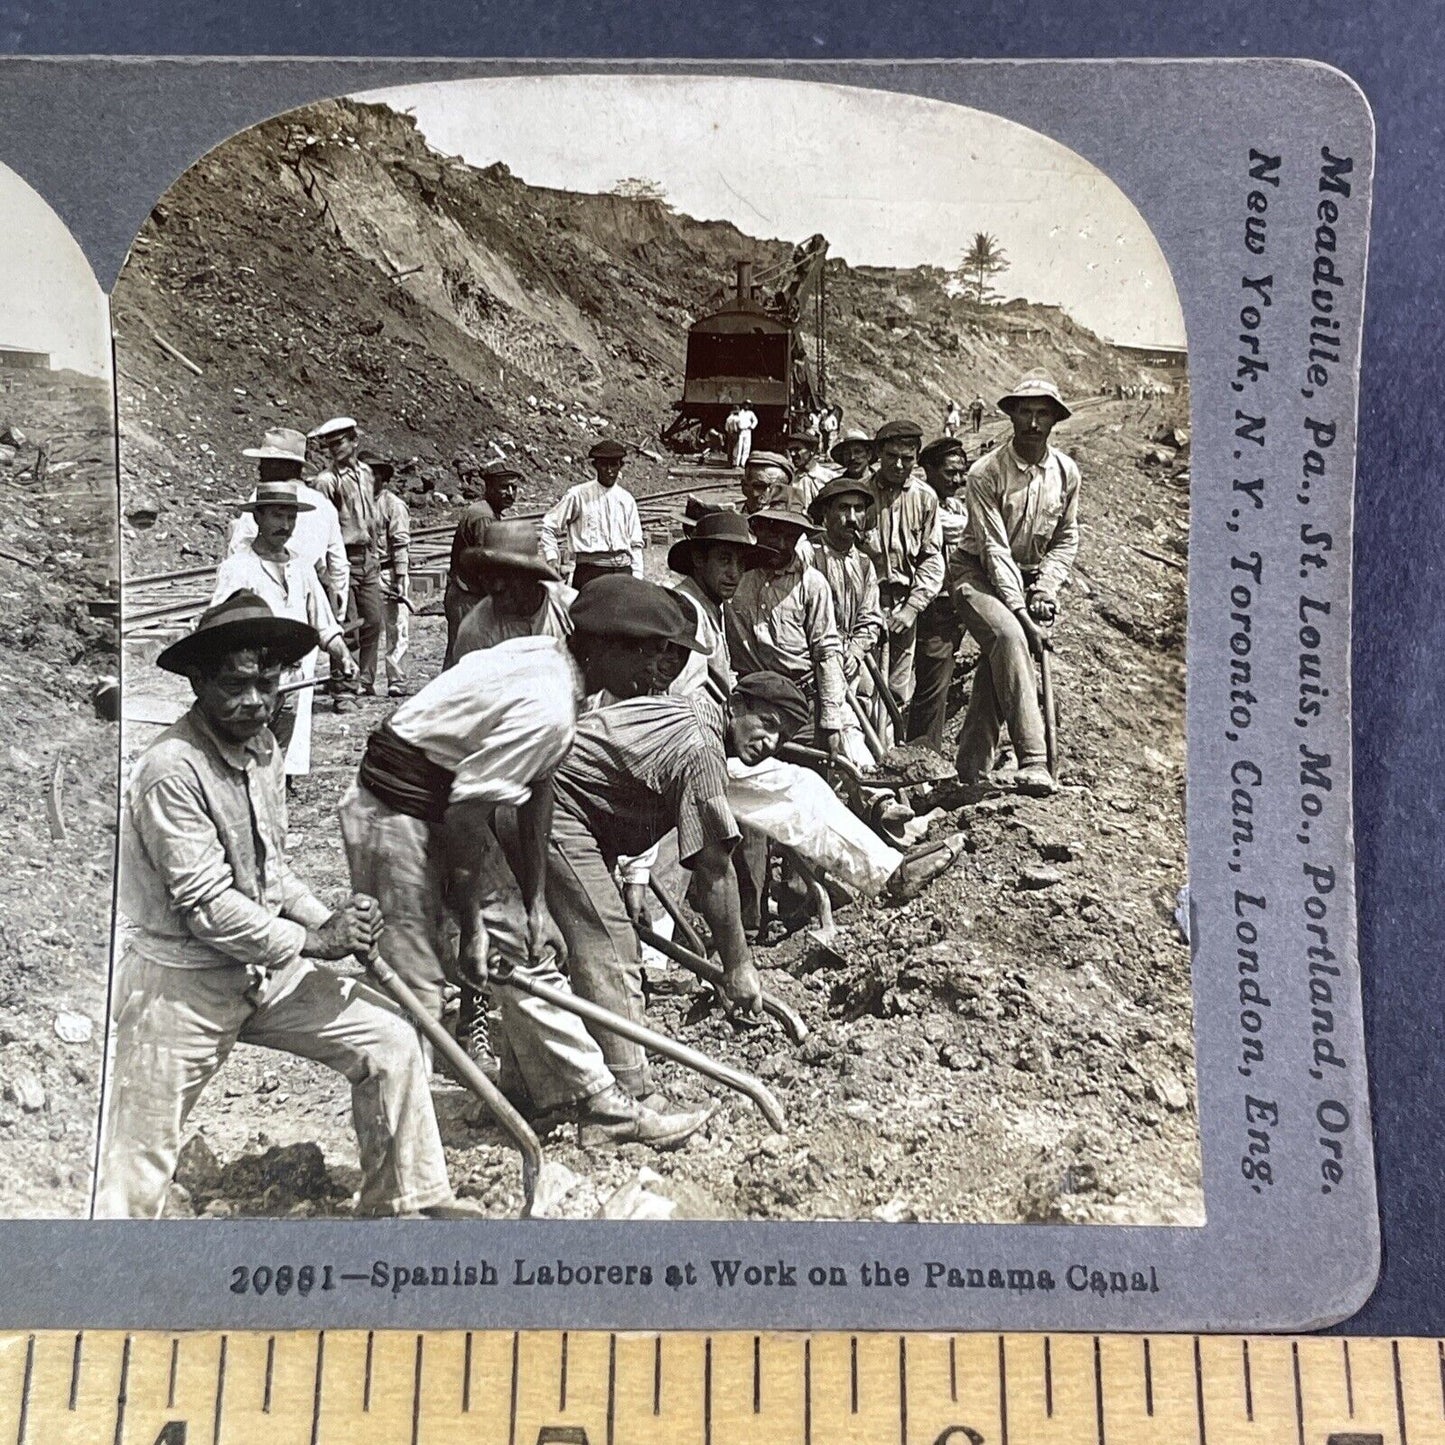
column 984, row 258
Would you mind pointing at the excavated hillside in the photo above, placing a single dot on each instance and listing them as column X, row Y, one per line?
column 329, row 262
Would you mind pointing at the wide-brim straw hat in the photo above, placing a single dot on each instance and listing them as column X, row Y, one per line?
column 239, row 621
column 1034, row 384
column 277, row 494
column 852, row 437
column 279, row 444
column 720, row 526
column 840, row 487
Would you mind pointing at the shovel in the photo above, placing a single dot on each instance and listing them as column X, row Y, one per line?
column 653, row 1042
column 534, row 1166
column 705, row 968
column 900, row 727
column 1051, row 719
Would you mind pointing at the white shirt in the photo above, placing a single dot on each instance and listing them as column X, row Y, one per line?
column 595, row 520
column 290, row 589
column 316, row 540
column 497, row 719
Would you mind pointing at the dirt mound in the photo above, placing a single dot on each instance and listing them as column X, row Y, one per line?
column 57, row 784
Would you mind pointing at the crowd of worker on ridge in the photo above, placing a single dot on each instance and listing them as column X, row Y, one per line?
column 584, row 736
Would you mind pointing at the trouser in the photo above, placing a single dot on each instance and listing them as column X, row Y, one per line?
column 396, row 859
column 938, row 638
column 456, row 603
column 364, row 603
column 1004, row 686
column 584, row 571
column 604, row 958
column 396, row 633
column 173, row 1028
column 742, row 448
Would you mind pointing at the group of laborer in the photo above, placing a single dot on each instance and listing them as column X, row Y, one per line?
column 504, row 818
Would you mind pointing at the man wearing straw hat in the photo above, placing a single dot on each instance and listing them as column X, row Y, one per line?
column 855, row 453
column 224, row 939
column 347, row 483
column 499, row 492
column 290, row 587
column 525, row 597
column 281, row 457
column 1022, row 538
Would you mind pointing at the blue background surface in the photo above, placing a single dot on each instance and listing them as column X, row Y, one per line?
column 1391, row 48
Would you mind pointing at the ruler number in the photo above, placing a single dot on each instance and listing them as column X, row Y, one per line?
column 172, row 1434
column 1351, row 1438
column 958, row 1434
column 562, row 1435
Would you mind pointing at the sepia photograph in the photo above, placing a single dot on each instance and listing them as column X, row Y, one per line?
column 60, row 696
column 653, row 634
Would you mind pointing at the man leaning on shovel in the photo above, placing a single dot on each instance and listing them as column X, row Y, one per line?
column 225, row 937
column 1005, row 576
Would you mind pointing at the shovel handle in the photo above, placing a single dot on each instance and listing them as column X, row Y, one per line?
column 679, row 919
column 900, row 727
column 707, row 970
column 497, row 1102
column 655, row 1043
column 1051, row 721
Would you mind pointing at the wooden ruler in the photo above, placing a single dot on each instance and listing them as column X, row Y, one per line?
column 584, row 1388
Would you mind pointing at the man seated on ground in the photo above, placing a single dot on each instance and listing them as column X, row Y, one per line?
column 499, row 492
column 418, row 825
column 1023, row 536
column 945, row 466
column 639, row 767
column 291, row 588
column 224, row 939
column 906, row 546
column 525, row 596
column 842, row 508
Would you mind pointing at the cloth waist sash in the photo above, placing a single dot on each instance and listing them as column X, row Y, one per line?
column 400, row 775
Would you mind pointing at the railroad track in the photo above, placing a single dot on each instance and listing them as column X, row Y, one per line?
column 161, row 604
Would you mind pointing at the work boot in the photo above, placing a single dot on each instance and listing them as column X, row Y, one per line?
column 922, row 865
column 615, row 1117
column 1035, row 782
column 455, row 1208
column 474, row 1032
column 341, row 703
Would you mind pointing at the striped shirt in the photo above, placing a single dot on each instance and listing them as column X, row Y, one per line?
column 854, row 581
column 641, row 767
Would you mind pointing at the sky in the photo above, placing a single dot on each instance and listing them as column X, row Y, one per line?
column 890, row 180
column 49, row 299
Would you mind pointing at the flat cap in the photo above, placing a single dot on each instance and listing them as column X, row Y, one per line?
column 627, row 606
column 607, row 450
column 772, row 459
column 334, row 427
column 938, row 449
column 896, row 430
column 785, row 697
